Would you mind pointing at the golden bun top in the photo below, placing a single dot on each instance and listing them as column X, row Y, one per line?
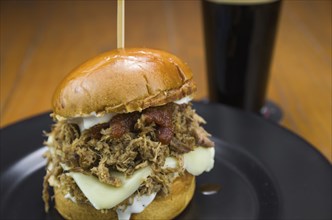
column 123, row 80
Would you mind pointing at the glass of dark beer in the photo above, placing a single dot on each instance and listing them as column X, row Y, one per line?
column 239, row 41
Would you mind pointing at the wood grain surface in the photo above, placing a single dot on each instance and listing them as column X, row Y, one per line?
column 41, row 41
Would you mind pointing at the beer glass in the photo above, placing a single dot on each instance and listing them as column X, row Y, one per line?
column 239, row 40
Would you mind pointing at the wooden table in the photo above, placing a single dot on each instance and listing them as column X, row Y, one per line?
column 42, row 41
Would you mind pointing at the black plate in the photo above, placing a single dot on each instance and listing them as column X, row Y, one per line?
column 265, row 171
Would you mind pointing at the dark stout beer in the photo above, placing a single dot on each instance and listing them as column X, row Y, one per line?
column 239, row 40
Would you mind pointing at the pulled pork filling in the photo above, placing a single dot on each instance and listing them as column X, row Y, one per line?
column 125, row 144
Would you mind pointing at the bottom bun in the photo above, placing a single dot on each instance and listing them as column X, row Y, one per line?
column 167, row 207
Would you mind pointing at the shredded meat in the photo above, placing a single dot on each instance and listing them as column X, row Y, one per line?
column 126, row 143
column 104, row 175
column 202, row 137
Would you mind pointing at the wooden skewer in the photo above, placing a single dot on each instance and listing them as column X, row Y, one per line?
column 120, row 24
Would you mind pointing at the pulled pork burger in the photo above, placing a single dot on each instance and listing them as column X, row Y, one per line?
column 126, row 142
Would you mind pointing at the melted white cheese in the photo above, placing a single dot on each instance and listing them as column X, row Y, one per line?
column 138, row 205
column 199, row 160
column 72, row 198
column 170, row 162
column 51, row 180
column 184, row 100
column 88, row 122
column 91, row 121
column 104, row 196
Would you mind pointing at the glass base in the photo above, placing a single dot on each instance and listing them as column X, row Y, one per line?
column 271, row 111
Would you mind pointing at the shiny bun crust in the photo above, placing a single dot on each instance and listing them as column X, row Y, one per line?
column 161, row 208
column 123, row 80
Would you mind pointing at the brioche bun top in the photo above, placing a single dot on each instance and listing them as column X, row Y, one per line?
column 123, row 80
